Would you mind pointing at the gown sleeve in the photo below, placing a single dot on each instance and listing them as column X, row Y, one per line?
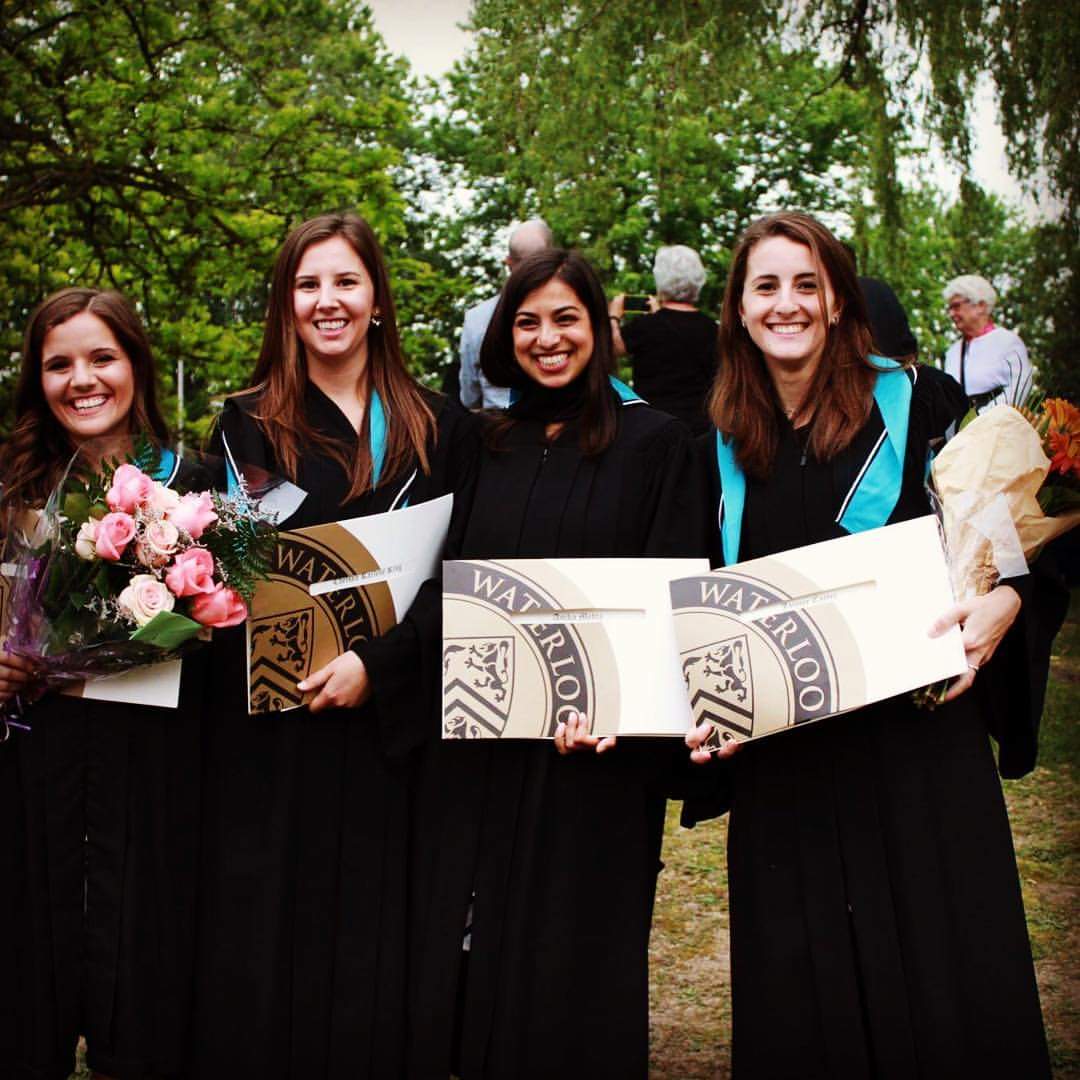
column 1011, row 688
column 674, row 495
column 405, row 664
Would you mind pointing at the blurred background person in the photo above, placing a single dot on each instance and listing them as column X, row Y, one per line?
column 473, row 387
column 672, row 349
column 989, row 362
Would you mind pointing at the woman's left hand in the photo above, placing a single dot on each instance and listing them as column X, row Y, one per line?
column 984, row 620
column 342, row 684
column 573, row 735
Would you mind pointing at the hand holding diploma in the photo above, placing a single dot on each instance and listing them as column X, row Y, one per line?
column 572, row 735
column 341, row 684
column 984, row 620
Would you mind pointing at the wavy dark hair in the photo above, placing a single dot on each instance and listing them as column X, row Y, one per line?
column 743, row 404
column 599, row 417
column 281, row 374
column 40, row 446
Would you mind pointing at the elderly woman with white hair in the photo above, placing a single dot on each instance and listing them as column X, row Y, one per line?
column 673, row 349
column 990, row 362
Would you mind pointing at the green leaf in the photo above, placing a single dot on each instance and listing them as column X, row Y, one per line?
column 76, row 507
column 167, row 630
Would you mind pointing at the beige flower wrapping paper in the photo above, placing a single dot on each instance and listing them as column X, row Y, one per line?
column 987, row 480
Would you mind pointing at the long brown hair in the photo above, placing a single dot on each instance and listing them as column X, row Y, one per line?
column 39, row 448
column 743, row 404
column 599, row 415
column 281, row 374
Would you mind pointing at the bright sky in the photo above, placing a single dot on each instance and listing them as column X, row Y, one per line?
column 426, row 32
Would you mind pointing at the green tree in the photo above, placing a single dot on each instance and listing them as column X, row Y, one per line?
column 976, row 233
column 166, row 150
column 630, row 125
column 1028, row 49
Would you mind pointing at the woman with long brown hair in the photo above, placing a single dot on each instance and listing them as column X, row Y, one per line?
column 877, row 927
column 301, row 966
column 98, row 797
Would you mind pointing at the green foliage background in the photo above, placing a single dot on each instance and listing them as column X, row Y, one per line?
column 166, row 150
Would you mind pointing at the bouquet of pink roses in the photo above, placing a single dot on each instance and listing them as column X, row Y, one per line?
column 131, row 562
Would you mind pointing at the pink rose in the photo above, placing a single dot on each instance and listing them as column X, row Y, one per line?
column 114, row 533
column 191, row 573
column 193, row 513
column 144, row 598
column 130, row 487
column 223, row 607
column 157, row 543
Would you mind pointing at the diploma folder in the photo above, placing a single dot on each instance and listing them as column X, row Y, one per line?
column 527, row 640
column 768, row 644
column 332, row 587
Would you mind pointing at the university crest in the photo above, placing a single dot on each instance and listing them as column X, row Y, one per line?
column 292, row 633
column 478, row 683
column 508, row 671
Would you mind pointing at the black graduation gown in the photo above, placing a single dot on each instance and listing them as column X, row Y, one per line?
column 877, row 927
column 101, row 853
column 301, row 958
column 561, row 852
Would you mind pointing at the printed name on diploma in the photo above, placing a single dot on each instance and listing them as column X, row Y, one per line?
column 369, row 577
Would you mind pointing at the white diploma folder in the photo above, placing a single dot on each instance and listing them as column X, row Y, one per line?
column 527, row 640
column 771, row 643
column 332, row 587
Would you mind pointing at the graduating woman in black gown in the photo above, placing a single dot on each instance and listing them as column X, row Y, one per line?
column 877, row 926
column 99, row 800
column 301, row 965
column 551, row 859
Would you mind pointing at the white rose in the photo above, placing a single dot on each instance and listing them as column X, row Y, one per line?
column 162, row 499
column 84, row 542
column 144, row 598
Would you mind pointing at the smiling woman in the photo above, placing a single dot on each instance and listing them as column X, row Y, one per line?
column 549, row 853
column 99, row 800
column 301, row 965
column 877, row 927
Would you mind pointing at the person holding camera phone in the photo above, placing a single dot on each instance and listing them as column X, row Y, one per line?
column 672, row 345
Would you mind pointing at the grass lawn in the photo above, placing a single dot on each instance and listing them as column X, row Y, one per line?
column 690, row 998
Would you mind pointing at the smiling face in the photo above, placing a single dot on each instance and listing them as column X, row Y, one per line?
column 553, row 337
column 87, row 378
column 968, row 317
column 333, row 300
column 781, row 303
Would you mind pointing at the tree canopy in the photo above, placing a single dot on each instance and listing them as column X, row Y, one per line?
column 166, row 149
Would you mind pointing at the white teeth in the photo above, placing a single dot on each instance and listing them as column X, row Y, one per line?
column 330, row 324
column 788, row 328
column 89, row 402
column 552, row 362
